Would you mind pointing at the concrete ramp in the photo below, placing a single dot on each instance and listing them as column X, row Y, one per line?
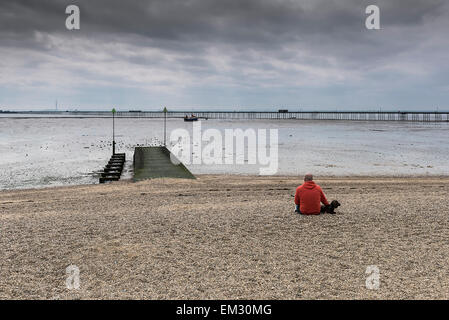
column 154, row 162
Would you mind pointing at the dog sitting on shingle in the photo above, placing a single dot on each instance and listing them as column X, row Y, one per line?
column 331, row 207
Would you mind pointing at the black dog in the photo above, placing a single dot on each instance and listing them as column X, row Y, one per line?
column 330, row 208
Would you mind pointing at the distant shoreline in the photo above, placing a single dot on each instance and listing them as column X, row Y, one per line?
column 125, row 182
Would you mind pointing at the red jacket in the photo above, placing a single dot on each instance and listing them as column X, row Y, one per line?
column 308, row 196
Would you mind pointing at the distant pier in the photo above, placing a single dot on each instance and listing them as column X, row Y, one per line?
column 411, row 116
column 309, row 115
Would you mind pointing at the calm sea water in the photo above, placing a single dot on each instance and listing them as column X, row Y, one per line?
column 39, row 152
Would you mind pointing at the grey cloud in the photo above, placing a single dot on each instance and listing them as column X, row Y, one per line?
column 175, row 19
column 190, row 24
column 240, row 42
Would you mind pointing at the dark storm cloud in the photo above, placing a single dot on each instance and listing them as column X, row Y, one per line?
column 193, row 24
column 235, row 42
column 249, row 20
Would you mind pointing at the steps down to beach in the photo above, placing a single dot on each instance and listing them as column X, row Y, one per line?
column 113, row 170
column 156, row 162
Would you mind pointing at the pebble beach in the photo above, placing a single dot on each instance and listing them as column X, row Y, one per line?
column 226, row 237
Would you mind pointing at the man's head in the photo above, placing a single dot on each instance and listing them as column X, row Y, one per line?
column 308, row 177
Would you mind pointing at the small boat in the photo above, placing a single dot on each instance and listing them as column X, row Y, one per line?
column 191, row 118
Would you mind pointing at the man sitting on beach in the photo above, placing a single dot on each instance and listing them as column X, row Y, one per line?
column 308, row 197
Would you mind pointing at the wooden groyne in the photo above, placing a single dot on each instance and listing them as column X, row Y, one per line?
column 113, row 170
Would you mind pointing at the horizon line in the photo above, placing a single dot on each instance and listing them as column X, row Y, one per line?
column 48, row 111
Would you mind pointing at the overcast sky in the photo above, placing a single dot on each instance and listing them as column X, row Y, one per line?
column 227, row 54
